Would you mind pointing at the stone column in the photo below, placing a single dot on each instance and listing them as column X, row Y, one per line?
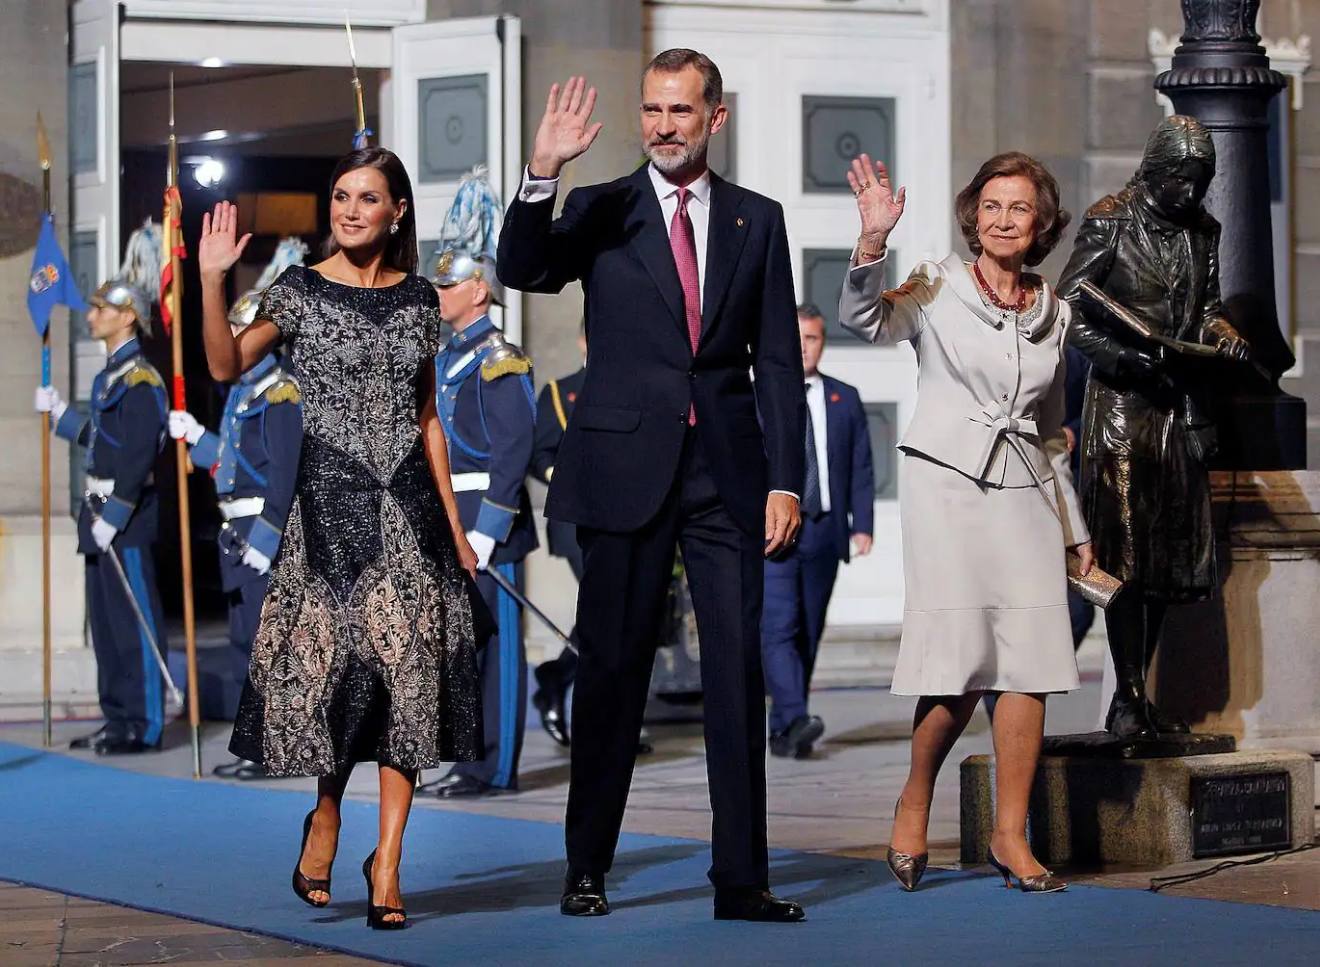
column 1221, row 76
column 33, row 75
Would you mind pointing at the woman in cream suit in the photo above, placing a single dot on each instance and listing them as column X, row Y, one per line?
column 986, row 496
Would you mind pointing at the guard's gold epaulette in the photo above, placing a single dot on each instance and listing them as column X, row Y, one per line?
column 504, row 359
column 143, row 372
column 285, row 390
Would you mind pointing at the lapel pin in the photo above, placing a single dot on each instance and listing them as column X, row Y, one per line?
column 740, row 223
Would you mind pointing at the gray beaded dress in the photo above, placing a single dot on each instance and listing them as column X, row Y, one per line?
column 367, row 645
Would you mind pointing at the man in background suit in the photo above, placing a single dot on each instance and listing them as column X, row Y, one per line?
column 838, row 498
column 688, row 293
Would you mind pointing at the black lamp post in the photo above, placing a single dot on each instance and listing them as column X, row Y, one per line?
column 1221, row 76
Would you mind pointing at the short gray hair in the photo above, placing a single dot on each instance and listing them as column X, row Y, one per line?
column 676, row 58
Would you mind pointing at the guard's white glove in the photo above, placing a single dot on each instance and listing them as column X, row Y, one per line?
column 103, row 534
column 254, row 559
column 183, row 426
column 484, row 546
column 48, row 400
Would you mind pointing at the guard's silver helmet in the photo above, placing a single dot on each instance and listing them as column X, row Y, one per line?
column 119, row 294
column 455, row 265
column 290, row 251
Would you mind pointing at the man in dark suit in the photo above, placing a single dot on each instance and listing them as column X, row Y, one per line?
column 1081, row 613
column 688, row 293
column 838, row 498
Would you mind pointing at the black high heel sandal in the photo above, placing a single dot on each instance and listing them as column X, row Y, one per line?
column 376, row 915
column 304, row 885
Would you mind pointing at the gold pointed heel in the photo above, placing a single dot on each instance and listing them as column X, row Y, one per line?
column 908, row 868
column 1045, row 882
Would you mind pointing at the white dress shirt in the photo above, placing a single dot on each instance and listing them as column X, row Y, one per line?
column 666, row 192
column 820, row 430
column 536, row 190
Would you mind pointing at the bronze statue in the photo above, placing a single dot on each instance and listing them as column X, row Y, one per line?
column 1146, row 428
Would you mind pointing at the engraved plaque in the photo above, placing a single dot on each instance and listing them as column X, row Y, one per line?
column 1241, row 814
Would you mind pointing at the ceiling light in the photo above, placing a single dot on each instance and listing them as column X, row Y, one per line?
column 219, row 134
column 212, row 62
column 209, row 172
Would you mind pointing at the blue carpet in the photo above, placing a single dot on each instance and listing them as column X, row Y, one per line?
column 484, row 890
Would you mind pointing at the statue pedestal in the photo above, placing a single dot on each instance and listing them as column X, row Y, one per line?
column 1150, row 812
column 1247, row 662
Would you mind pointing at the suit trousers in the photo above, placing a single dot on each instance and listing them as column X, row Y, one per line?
column 619, row 623
column 503, row 686
column 797, row 594
column 128, row 678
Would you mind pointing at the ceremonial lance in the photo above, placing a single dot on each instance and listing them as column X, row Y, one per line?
column 171, row 310
column 361, row 134
column 43, row 155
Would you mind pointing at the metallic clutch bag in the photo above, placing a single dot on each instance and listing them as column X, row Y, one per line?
column 1099, row 587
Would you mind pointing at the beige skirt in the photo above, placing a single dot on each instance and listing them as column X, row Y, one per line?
column 986, row 606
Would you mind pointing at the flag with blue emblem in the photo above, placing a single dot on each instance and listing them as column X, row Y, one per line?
column 51, row 283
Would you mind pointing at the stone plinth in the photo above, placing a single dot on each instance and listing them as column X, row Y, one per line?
column 1096, row 810
column 73, row 666
column 1247, row 662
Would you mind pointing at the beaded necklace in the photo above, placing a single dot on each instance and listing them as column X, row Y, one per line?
column 993, row 296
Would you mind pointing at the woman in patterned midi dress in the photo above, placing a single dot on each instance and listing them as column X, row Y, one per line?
column 367, row 645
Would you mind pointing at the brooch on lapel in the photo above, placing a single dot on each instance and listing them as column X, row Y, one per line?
column 741, row 223
column 835, row 397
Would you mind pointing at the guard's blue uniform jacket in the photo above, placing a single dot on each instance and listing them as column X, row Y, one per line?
column 486, row 401
column 124, row 435
column 254, row 463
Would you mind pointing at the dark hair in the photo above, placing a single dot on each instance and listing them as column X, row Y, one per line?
column 1051, row 219
column 675, row 59
column 401, row 246
column 809, row 310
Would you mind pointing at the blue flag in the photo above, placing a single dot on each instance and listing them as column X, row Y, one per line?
column 51, row 283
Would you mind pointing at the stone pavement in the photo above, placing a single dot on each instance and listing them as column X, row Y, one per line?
column 840, row 802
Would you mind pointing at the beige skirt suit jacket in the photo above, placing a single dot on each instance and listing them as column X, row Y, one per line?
column 983, row 547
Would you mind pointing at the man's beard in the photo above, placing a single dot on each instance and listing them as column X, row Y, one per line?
column 670, row 162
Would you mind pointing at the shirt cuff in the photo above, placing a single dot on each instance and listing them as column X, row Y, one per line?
column 206, row 451
column 533, row 190
column 116, row 511
column 69, row 425
column 494, row 520
column 856, row 253
column 788, row 493
column 264, row 537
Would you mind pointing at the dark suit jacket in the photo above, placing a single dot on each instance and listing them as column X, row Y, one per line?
column 622, row 447
column 852, row 476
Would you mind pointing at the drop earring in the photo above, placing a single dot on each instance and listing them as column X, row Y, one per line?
column 394, row 228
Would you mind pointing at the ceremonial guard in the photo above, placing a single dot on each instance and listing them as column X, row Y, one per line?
column 254, row 463
column 554, row 407
column 123, row 433
column 486, row 401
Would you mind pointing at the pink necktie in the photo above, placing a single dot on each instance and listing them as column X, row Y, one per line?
column 684, row 246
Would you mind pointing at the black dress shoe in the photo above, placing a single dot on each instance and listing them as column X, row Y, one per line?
column 457, row 786
column 549, row 701
column 780, row 747
column 127, row 744
column 759, row 906
column 89, row 740
column 230, row 770
column 803, row 732
column 584, row 895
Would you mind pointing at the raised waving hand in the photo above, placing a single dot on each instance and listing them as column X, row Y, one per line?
column 877, row 203
column 566, row 130
column 219, row 247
